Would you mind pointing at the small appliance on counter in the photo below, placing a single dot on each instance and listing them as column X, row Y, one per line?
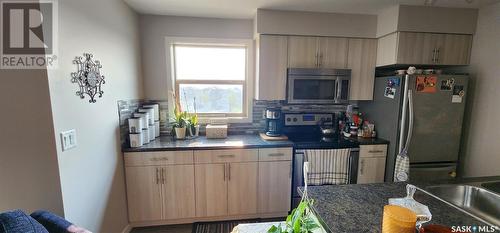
column 216, row 131
column 274, row 122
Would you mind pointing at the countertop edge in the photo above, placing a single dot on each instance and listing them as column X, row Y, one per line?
column 127, row 150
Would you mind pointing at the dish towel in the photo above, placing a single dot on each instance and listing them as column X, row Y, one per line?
column 402, row 168
column 328, row 166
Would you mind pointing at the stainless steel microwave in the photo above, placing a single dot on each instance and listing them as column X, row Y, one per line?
column 318, row 86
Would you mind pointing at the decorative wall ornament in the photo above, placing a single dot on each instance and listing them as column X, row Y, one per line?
column 88, row 77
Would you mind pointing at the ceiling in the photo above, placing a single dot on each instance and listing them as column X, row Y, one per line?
column 246, row 8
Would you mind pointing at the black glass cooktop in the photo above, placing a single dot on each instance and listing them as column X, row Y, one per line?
column 317, row 141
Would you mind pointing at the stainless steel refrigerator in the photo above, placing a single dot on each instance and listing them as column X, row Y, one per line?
column 438, row 104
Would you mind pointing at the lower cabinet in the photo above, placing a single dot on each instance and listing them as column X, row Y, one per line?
column 371, row 166
column 211, row 190
column 275, row 181
column 188, row 186
column 242, row 188
column 160, row 192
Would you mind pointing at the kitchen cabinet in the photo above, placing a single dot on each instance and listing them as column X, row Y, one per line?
column 143, row 193
column 418, row 48
column 302, row 52
column 371, row 167
column 275, row 180
column 317, row 52
column 226, row 182
column 161, row 190
column 361, row 60
column 211, row 190
column 173, row 187
column 272, row 61
column 242, row 188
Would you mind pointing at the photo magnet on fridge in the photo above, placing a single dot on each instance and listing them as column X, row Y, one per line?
column 426, row 84
column 390, row 92
column 458, row 94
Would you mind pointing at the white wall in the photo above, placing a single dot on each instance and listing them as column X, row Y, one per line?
column 92, row 174
column 154, row 29
column 481, row 147
column 29, row 177
column 315, row 23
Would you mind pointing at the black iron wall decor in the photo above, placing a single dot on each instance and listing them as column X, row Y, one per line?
column 88, row 77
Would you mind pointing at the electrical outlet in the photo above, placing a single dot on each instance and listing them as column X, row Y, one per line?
column 68, row 139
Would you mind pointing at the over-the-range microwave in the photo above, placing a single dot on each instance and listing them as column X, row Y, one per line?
column 318, row 86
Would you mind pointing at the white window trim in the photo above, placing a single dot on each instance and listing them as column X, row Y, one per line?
column 250, row 74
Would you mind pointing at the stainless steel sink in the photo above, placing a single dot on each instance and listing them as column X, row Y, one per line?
column 476, row 201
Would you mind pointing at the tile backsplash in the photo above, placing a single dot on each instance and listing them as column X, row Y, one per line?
column 127, row 107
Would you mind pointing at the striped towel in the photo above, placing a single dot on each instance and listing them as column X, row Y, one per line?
column 328, row 166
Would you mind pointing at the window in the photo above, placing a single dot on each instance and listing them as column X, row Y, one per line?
column 212, row 79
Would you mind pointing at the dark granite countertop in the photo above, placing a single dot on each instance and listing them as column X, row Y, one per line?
column 359, row 208
column 368, row 141
column 166, row 143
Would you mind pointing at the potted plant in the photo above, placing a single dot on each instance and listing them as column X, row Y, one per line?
column 180, row 124
column 194, row 129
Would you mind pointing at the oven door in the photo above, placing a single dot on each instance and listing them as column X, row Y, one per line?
column 312, row 89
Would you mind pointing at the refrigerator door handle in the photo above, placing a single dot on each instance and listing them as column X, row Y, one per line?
column 403, row 115
column 410, row 124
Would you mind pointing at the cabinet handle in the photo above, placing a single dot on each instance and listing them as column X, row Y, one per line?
column 163, row 175
column 375, row 151
column 157, row 176
column 224, row 172
column 229, row 171
column 225, row 156
column 275, row 154
column 320, row 60
column 316, row 60
column 159, row 159
column 433, row 55
column 437, row 55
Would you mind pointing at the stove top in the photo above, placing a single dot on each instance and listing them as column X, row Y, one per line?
column 317, row 141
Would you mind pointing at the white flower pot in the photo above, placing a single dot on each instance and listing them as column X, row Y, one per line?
column 180, row 133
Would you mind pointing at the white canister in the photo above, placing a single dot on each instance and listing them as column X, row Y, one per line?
column 135, row 125
column 156, row 108
column 151, row 114
column 145, row 118
column 136, row 139
column 145, row 135
column 157, row 128
column 151, row 132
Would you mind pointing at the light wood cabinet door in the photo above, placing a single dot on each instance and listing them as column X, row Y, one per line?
column 302, row 52
column 361, row 60
column 456, row 49
column 178, row 191
column 275, row 185
column 371, row 170
column 211, row 190
column 414, row 48
column 332, row 52
column 272, row 55
column 144, row 193
column 242, row 188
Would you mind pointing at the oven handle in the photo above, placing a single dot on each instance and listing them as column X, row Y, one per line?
column 338, row 90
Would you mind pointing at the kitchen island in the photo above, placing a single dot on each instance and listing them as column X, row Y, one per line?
column 359, row 208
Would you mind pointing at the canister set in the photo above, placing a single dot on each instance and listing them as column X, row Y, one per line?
column 144, row 125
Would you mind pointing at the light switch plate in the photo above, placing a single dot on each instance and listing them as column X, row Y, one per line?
column 68, row 139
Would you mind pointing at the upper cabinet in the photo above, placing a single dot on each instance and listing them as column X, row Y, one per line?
column 417, row 48
column 272, row 57
column 361, row 60
column 317, row 52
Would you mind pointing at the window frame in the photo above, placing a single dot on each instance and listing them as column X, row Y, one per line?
column 246, row 115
